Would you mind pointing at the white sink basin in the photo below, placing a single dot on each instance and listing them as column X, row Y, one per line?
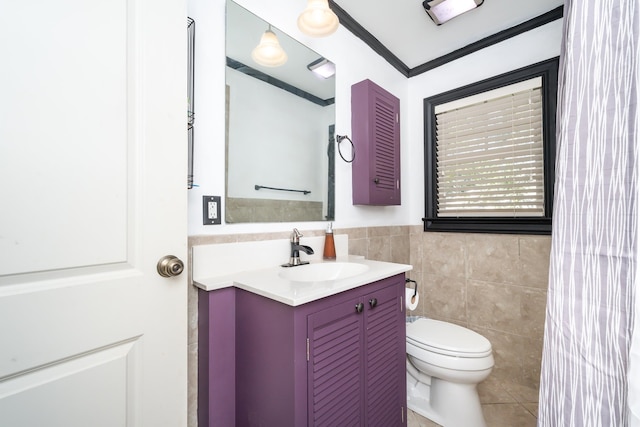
column 323, row 271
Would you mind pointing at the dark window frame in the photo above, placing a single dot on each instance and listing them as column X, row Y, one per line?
column 548, row 70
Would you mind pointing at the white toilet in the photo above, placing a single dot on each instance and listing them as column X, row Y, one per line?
column 445, row 363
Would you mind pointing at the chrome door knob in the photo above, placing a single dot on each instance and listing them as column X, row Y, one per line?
column 170, row 266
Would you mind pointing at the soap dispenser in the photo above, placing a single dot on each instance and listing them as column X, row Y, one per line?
column 329, row 244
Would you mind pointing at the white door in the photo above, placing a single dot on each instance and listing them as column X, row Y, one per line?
column 92, row 195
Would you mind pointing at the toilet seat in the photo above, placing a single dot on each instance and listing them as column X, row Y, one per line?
column 447, row 339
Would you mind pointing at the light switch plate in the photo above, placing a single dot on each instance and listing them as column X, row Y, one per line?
column 211, row 210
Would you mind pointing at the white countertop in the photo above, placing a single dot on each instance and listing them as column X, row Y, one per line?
column 269, row 283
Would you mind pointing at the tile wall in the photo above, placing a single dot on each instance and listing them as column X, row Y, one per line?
column 265, row 210
column 493, row 284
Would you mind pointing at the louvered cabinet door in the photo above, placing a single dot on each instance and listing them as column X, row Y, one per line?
column 385, row 378
column 375, row 123
column 335, row 368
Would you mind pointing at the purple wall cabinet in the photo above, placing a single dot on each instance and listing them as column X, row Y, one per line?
column 338, row 361
column 375, row 124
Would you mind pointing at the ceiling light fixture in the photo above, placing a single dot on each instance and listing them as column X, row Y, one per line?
column 269, row 52
column 441, row 11
column 318, row 20
column 322, row 67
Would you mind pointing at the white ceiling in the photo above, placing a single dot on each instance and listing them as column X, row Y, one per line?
column 401, row 27
column 406, row 30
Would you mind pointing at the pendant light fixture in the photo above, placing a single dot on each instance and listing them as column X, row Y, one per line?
column 318, row 20
column 269, row 52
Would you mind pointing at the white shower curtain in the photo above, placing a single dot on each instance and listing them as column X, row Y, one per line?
column 590, row 370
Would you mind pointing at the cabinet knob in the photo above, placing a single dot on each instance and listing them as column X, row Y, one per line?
column 373, row 302
column 359, row 307
column 376, row 180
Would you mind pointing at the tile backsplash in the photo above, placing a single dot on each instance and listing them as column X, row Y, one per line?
column 495, row 284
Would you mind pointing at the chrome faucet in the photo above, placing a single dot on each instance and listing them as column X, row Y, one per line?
column 296, row 247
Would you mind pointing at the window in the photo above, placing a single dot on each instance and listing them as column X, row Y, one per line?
column 489, row 154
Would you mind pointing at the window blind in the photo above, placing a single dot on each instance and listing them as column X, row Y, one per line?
column 489, row 156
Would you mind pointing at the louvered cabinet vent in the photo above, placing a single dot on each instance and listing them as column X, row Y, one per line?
column 375, row 124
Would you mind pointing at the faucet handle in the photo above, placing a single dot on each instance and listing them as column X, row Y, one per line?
column 295, row 236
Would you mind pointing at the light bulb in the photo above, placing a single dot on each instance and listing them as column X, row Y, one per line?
column 318, row 19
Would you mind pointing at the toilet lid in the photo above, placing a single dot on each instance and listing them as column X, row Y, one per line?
column 447, row 338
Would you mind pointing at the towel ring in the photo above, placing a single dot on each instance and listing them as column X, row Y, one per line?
column 339, row 139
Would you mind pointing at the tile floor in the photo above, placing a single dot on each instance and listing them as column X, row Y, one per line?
column 504, row 405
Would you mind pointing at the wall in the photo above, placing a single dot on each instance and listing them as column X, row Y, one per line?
column 495, row 285
column 354, row 62
column 526, row 49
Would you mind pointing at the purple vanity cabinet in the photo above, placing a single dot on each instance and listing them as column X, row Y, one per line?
column 385, row 356
column 375, row 124
column 356, row 370
column 216, row 358
column 337, row 361
column 335, row 372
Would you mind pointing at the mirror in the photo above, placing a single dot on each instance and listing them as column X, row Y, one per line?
column 280, row 130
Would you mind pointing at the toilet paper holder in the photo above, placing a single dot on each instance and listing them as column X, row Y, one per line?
column 415, row 290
